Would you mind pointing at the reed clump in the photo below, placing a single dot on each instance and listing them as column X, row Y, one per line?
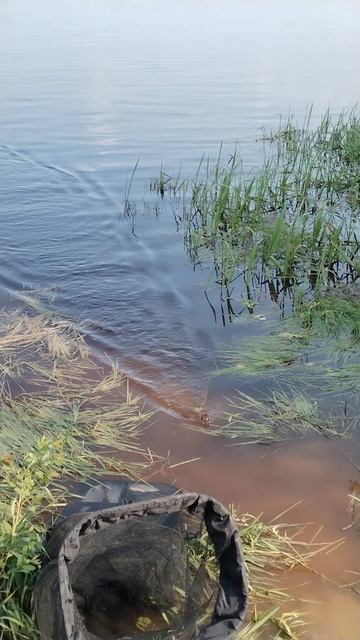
column 293, row 218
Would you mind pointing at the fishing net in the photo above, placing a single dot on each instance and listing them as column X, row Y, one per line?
column 168, row 566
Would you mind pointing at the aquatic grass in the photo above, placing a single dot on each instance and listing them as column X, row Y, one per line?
column 334, row 313
column 255, row 354
column 313, row 354
column 294, row 217
column 345, row 378
column 51, row 385
column 325, row 328
column 167, row 184
column 264, row 623
column 289, row 625
column 278, row 416
column 36, row 345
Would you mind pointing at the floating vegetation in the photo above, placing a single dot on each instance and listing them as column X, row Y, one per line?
column 279, row 416
column 346, row 378
column 255, row 354
column 319, row 343
column 300, row 367
column 285, row 626
column 334, row 313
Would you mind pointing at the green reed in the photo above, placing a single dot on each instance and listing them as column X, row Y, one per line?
column 294, row 216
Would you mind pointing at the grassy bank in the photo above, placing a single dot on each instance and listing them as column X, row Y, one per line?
column 62, row 417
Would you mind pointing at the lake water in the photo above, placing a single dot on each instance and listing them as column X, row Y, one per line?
column 91, row 89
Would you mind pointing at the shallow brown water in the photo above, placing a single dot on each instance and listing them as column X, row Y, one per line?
column 309, row 480
column 87, row 89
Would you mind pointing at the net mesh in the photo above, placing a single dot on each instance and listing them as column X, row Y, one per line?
column 166, row 567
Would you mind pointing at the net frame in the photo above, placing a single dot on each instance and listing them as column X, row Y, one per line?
column 65, row 544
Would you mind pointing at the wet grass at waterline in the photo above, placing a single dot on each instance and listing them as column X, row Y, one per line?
column 50, row 385
column 61, row 417
column 270, row 550
column 253, row 355
column 279, row 416
column 296, row 394
column 309, row 365
column 274, row 625
column 68, row 425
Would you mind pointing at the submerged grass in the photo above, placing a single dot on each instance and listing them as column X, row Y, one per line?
column 300, row 365
column 335, row 313
column 280, row 416
column 317, row 347
column 252, row 355
column 284, row 626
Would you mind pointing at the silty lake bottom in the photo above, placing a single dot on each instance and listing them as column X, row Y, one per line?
column 100, row 104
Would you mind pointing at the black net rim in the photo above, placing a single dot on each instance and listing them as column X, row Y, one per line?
column 231, row 603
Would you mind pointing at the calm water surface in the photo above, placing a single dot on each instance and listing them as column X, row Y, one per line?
column 90, row 88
